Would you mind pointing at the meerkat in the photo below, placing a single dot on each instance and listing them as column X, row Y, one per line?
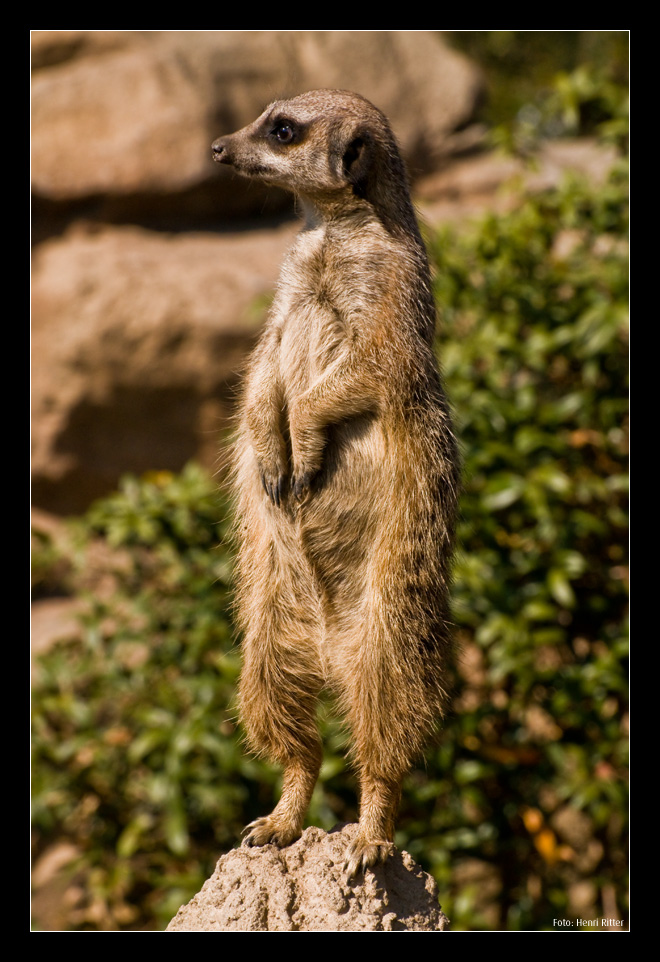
column 346, row 471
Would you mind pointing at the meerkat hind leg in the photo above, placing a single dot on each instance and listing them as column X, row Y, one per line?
column 278, row 693
column 379, row 799
column 285, row 822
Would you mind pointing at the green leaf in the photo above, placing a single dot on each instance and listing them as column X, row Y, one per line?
column 560, row 588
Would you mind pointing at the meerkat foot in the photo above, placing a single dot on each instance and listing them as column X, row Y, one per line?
column 364, row 853
column 270, row 830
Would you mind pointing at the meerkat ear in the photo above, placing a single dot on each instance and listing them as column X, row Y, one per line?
column 357, row 162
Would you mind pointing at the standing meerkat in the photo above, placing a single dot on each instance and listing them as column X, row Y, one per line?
column 346, row 470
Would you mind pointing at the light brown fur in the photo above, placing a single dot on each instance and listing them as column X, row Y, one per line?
column 346, row 470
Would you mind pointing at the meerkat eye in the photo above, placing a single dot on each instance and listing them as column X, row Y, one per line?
column 284, row 132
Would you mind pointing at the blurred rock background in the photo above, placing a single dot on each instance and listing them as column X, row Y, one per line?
column 149, row 261
column 152, row 266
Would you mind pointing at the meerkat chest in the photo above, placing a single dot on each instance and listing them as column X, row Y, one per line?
column 317, row 293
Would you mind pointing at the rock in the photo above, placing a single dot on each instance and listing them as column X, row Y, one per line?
column 123, row 121
column 130, row 118
column 138, row 332
column 468, row 186
column 138, row 335
column 138, row 339
column 53, row 620
column 303, row 888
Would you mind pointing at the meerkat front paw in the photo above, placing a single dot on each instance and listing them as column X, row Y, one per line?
column 364, row 853
column 301, row 482
column 273, row 483
column 270, row 830
column 306, row 457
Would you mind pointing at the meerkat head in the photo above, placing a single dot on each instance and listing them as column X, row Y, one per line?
column 325, row 145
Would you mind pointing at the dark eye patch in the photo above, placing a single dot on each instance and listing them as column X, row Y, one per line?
column 284, row 131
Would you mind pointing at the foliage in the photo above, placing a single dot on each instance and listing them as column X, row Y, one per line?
column 535, row 358
column 136, row 758
column 527, row 72
column 584, row 101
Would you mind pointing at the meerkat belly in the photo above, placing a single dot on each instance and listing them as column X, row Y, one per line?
column 340, row 523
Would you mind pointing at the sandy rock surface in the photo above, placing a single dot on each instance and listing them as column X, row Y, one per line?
column 303, row 888
column 138, row 339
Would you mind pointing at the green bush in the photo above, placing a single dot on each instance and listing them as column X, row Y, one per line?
column 136, row 758
column 535, row 359
column 560, row 81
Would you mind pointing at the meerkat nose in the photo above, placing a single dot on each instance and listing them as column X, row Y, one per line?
column 219, row 151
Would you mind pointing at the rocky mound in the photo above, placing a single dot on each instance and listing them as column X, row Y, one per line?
column 303, row 888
